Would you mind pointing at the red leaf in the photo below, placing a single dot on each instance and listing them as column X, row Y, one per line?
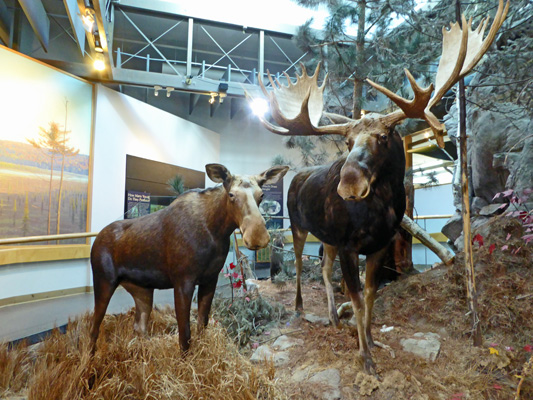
column 505, row 248
column 508, row 193
column 237, row 284
column 232, row 266
column 478, row 238
column 508, row 236
column 527, row 238
column 491, row 248
column 235, row 275
column 496, row 196
column 528, row 348
column 497, row 387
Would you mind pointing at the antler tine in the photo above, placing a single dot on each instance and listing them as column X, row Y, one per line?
column 297, row 107
column 455, row 63
column 477, row 50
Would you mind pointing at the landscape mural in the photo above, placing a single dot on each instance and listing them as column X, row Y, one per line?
column 45, row 137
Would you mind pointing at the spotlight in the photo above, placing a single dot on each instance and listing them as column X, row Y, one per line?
column 212, row 99
column 157, row 88
column 221, row 97
column 88, row 19
column 259, row 106
column 169, row 89
column 99, row 63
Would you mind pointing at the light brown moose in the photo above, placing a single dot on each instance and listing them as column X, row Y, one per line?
column 179, row 247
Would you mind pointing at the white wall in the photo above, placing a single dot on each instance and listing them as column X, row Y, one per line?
column 123, row 126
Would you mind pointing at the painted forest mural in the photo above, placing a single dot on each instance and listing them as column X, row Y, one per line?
column 44, row 150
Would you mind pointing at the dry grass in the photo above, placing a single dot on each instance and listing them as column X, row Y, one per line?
column 130, row 367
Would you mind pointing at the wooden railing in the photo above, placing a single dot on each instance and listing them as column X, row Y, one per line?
column 68, row 236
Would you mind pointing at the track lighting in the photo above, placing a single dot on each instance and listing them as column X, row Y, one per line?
column 212, row 99
column 157, row 88
column 169, row 89
column 259, row 106
column 99, row 63
column 88, row 19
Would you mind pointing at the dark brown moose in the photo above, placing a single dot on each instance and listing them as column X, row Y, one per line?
column 179, row 247
column 355, row 204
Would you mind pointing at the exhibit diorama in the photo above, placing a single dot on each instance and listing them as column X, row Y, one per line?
column 299, row 199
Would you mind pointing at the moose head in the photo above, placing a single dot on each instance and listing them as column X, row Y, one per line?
column 298, row 107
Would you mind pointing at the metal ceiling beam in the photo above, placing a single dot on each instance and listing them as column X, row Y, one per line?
column 197, row 85
column 5, row 19
column 100, row 14
column 175, row 8
column 38, row 20
column 76, row 23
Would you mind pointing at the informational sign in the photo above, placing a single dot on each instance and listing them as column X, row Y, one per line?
column 272, row 205
column 137, row 204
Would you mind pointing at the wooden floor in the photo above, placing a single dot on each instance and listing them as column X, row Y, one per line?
column 29, row 320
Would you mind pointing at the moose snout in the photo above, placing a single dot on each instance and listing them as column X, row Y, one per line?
column 254, row 233
column 354, row 184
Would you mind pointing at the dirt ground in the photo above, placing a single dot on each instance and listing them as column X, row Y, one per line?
column 429, row 302
column 130, row 367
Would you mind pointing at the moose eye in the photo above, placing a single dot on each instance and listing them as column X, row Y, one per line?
column 383, row 137
column 231, row 195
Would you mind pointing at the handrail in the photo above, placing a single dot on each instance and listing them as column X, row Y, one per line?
column 67, row 236
column 44, row 238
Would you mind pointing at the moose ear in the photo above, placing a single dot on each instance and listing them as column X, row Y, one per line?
column 272, row 175
column 218, row 173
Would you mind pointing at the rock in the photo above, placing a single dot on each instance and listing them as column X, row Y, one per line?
column 425, row 345
column 301, row 375
column 316, row 320
column 265, row 353
column 252, row 286
column 492, row 209
column 329, row 377
column 453, row 227
column 284, row 342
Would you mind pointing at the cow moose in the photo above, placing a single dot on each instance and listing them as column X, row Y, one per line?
column 179, row 247
column 355, row 204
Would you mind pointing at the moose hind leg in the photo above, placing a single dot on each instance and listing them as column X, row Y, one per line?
column 299, row 237
column 350, row 271
column 182, row 301
column 144, row 299
column 103, row 290
column 330, row 252
column 373, row 263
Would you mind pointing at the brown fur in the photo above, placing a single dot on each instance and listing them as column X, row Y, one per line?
column 179, row 247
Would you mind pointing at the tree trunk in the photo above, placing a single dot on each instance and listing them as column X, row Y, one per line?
column 62, row 170
column 442, row 252
column 360, row 60
column 469, row 258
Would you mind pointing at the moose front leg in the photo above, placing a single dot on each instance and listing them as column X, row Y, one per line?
column 182, row 302
column 373, row 263
column 299, row 238
column 330, row 252
column 350, row 272
column 206, row 293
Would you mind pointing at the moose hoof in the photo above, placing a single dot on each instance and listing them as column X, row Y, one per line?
column 369, row 366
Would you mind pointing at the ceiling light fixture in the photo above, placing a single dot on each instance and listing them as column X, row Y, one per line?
column 259, row 106
column 99, row 63
column 212, row 99
column 157, row 88
column 88, row 19
column 169, row 89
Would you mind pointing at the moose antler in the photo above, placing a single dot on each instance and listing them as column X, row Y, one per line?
column 455, row 63
column 297, row 107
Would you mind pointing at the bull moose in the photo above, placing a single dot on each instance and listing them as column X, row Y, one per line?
column 355, row 204
column 179, row 247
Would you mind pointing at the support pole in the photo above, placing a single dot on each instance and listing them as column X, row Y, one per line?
column 469, row 258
